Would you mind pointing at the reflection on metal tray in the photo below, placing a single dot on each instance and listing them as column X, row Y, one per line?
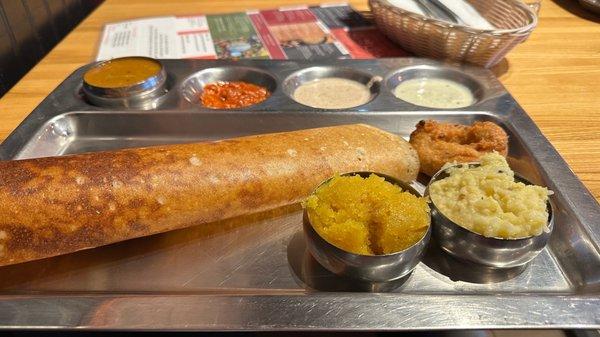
column 253, row 272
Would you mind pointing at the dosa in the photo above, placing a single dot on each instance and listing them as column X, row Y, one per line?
column 57, row 205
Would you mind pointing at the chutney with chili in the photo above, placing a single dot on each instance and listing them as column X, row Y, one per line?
column 235, row 94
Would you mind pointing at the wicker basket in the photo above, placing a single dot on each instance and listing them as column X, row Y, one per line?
column 438, row 39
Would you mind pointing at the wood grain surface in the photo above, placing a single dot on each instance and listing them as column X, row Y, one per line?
column 555, row 74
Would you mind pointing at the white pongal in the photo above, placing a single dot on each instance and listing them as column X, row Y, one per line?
column 487, row 200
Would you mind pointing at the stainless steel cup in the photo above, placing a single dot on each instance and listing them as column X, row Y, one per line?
column 373, row 268
column 492, row 252
column 145, row 94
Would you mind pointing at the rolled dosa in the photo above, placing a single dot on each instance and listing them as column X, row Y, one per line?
column 56, row 205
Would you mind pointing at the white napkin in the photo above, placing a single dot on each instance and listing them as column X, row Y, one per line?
column 469, row 15
column 407, row 5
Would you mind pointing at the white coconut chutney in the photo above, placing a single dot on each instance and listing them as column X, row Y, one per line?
column 434, row 93
column 332, row 93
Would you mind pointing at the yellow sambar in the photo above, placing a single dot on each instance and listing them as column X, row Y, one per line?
column 122, row 72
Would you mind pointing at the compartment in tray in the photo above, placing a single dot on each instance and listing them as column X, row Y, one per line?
column 461, row 81
column 263, row 253
column 362, row 87
column 192, row 87
column 82, row 131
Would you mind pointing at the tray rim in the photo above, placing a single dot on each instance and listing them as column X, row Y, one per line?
column 314, row 312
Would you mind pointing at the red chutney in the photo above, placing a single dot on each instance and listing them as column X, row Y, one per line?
column 228, row 95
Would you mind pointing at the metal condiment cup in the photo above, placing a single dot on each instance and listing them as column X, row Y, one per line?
column 372, row 268
column 144, row 94
column 489, row 251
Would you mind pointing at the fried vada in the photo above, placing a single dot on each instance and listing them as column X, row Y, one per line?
column 440, row 143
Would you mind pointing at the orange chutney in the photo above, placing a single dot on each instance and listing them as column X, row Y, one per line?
column 122, row 72
column 228, row 95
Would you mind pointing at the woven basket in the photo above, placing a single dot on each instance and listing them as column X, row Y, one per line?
column 438, row 39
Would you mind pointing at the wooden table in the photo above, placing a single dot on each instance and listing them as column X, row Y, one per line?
column 555, row 75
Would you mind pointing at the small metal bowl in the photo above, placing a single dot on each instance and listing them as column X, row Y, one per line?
column 372, row 268
column 146, row 94
column 488, row 251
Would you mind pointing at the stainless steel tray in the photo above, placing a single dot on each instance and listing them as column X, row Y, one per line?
column 253, row 273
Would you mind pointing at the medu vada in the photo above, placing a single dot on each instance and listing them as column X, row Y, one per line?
column 440, row 143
